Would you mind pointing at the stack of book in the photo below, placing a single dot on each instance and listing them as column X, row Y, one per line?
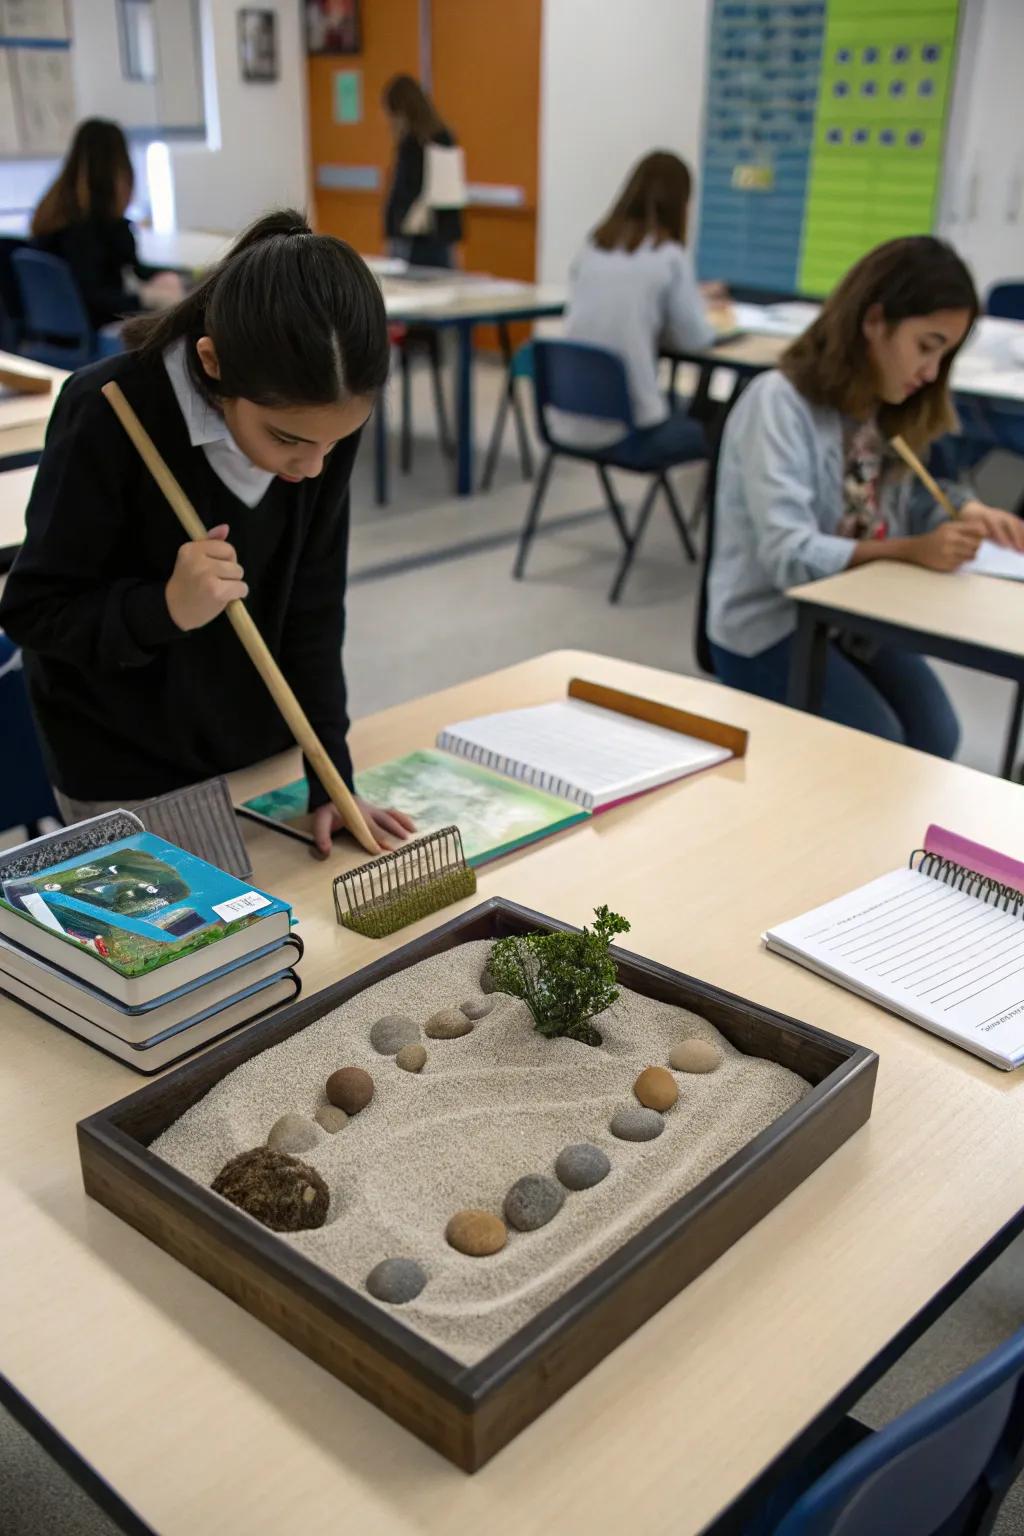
column 135, row 945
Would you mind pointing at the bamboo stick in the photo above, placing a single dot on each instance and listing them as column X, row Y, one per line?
column 930, row 484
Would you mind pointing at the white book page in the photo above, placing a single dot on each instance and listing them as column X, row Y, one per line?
column 591, row 755
column 996, row 560
column 951, row 962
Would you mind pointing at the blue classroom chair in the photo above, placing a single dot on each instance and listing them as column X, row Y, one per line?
column 25, row 793
column 941, row 1469
column 56, row 325
column 591, row 381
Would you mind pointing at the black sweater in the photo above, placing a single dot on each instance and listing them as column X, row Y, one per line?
column 98, row 251
column 406, row 186
column 128, row 705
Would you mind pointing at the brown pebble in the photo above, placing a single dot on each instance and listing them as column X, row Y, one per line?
column 448, row 1024
column 478, row 1007
column 331, row 1118
column 695, row 1056
column 477, row 1233
column 411, row 1058
column 350, row 1088
column 656, row 1088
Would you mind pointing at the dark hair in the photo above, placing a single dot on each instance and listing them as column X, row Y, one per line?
column 652, row 205
column 95, row 181
column 406, row 99
column 830, row 364
column 296, row 319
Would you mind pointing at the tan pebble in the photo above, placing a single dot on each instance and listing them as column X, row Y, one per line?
column 292, row 1133
column 478, row 1007
column 350, row 1088
column 448, row 1024
column 411, row 1058
column 695, row 1056
column 656, row 1088
column 331, row 1118
column 476, row 1233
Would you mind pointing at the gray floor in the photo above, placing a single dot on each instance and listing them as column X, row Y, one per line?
column 432, row 602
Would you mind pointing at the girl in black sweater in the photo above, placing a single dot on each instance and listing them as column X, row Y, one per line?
column 255, row 389
column 415, row 125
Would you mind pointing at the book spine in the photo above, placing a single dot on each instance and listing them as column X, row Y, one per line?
column 512, row 769
column 970, row 881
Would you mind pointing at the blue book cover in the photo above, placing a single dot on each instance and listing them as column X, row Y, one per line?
column 137, row 904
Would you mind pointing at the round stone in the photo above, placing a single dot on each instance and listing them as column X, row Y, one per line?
column 478, row 1007
column 292, row 1133
column 448, row 1024
column 532, row 1202
column 350, row 1089
column 476, row 1233
column 656, row 1088
column 283, row 1193
column 487, row 982
column 396, row 1280
column 390, row 1034
column 411, row 1058
column 582, row 1165
column 636, row 1124
column 695, row 1056
column 331, row 1118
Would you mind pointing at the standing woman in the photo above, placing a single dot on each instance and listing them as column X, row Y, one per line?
column 416, row 125
column 81, row 219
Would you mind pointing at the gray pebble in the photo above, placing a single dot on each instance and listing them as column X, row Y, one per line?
column 292, row 1133
column 389, row 1034
column 637, row 1124
column 396, row 1280
column 582, row 1165
column 487, row 981
column 478, row 1007
column 532, row 1201
column 448, row 1024
column 411, row 1058
column 331, row 1118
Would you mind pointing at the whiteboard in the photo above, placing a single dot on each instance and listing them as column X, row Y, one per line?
column 46, row 98
column 33, row 18
column 10, row 140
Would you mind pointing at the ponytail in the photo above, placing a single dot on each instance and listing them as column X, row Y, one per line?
column 296, row 319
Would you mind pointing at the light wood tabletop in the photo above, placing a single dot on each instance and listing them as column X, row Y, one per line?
column 23, row 418
column 15, row 490
column 463, row 297
column 972, row 610
column 203, row 1420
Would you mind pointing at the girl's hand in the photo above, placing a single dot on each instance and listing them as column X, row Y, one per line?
column 389, row 827
column 947, row 547
column 1001, row 527
column 206, row 577
column 714, row 292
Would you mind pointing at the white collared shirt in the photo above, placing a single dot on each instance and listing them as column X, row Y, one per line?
column 208, row 430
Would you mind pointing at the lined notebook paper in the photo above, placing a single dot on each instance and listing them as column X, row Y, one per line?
column 589, row 755
column 948, row 960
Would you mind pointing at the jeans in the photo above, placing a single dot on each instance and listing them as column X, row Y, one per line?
column 677, row 439
column 895, row 694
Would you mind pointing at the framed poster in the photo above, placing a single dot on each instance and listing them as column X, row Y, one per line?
column 333, row 26
column 257, row 44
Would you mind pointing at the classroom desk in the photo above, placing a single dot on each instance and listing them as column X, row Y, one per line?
column 23, row 418
column 180, row 250
column 203, row 1420
column 15, row 490
column 460, row 302
column 976, row 621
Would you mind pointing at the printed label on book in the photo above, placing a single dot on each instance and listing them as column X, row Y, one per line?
column 241, row 906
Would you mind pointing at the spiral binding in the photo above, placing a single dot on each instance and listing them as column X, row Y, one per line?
column 993, row 892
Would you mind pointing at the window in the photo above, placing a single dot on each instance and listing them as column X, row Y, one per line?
column 138, row 40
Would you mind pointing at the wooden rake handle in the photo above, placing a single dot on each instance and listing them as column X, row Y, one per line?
column 245, row 629
column 930, row 484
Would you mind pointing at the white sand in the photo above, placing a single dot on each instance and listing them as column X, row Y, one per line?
column 486, row 1109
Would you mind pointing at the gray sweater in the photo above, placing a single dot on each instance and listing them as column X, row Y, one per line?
column 778, row 502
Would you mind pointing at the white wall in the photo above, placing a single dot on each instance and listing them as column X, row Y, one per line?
column 259, row 129
column 617, row 80
column 173, row 100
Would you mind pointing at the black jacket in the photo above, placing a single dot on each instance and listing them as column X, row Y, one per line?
column 406, row 186
column 98, row 251
column 128, row 705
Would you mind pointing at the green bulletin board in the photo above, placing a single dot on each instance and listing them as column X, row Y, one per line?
column 876, row 164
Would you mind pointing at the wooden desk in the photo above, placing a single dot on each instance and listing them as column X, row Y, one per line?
column 180, row 250
column 976, row 621
column 23, row 418
column 203, row 1420
column 15, row 490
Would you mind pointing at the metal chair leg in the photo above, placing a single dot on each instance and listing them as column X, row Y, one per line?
column 677, row 518
column 405, row 448
column 497, row 435
column 1013, row 733
column 443, row 428
column 646, row 508
column 614, row 506
column 532, row 516
column 380, row 451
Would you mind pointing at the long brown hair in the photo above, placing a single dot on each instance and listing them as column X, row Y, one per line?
column 406, row 99
column 652, row 205
column 830, row 364
column 96, row 180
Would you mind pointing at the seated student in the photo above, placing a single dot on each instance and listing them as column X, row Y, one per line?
column 632, row 290
column 255, row 389
column 807, row 485
column 82, row 220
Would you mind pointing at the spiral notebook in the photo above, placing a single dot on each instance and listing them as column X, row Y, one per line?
column 940, row 942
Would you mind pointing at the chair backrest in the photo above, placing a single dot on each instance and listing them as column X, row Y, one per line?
column 572, row 376
column 50, row 298
column 1006, row 300
column 943, row 1466
column 11, row 313
column 25, row 793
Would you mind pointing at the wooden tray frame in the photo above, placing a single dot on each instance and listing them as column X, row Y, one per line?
column 469, row 1412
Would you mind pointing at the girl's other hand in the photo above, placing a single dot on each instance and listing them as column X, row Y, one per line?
column 391, row 828
column 1001, row 527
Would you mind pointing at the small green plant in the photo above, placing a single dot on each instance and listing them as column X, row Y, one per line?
column 565, row 979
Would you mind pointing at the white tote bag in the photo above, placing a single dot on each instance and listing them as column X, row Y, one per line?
column 444, row 187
